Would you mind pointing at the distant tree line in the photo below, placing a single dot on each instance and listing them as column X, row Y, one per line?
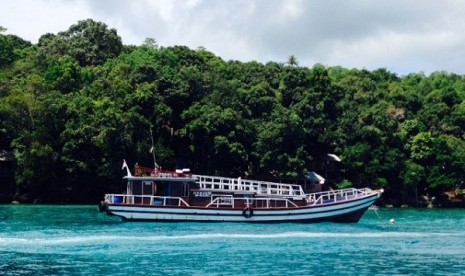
column 76, row 103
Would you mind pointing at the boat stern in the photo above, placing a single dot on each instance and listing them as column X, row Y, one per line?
column 102, row 206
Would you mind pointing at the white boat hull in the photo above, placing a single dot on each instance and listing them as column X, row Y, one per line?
column 347, row 211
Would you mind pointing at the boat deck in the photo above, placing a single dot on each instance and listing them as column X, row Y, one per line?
column 231, row 202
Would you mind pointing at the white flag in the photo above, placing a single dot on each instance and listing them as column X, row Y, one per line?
column 125, row 165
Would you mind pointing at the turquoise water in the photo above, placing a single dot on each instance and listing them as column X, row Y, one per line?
column 69, row 240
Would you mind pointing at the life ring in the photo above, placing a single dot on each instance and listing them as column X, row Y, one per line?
column 247, row 212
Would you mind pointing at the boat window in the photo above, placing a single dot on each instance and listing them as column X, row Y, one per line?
column 147, row 187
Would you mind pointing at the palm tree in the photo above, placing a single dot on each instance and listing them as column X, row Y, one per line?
column 292, row 61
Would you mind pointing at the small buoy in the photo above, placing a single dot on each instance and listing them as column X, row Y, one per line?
column 392, row 221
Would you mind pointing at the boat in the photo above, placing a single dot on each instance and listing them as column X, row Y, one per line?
column 153, row 194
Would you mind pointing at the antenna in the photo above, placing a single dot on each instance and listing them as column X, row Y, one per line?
column 152, row 150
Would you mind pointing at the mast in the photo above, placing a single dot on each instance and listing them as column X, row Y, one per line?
column 152, row 150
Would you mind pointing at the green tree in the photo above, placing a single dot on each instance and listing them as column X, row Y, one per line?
column 77, row 102
column 64, row 75
column 88, row 42
column 292, row 61
column 214, row 138
column 279, row 145
column 6, row 49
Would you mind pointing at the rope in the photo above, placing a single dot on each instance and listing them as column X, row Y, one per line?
column 376, row 212
column 374, row 208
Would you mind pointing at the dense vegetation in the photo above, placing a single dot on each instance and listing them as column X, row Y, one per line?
column 76, row 103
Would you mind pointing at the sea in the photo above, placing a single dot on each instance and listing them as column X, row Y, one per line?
column 78, row 240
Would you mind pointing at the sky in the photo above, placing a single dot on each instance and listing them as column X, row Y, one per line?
column 402, row 36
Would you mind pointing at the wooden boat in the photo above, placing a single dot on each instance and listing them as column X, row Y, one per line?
column 156, row 195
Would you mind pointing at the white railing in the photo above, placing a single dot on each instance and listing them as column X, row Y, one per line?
column 145, row 200
column 221, row 200
column 217, row 183
column 337, row 195
column 263, row 202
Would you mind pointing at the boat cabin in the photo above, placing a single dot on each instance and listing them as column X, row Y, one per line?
column 145, row 188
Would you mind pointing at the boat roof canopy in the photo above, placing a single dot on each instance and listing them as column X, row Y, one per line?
column 333, row 157
column 313, row 176
column 156, row 178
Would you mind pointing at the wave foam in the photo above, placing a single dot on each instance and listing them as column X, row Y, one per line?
column 108, row 239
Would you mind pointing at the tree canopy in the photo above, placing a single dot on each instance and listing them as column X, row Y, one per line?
column 76, row 103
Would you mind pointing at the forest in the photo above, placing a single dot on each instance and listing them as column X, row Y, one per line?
column 76, row 103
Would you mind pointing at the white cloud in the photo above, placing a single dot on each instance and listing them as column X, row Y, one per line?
column 400, row 35
column 290, row 10
column 31, row 19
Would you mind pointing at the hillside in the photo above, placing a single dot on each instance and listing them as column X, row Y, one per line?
column 76, row 103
